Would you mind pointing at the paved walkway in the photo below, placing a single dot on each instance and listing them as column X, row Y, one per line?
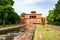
column 53, row 26
column 37, row 34
column 27, row 35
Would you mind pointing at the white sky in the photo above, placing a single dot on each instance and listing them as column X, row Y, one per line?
column 40, row 6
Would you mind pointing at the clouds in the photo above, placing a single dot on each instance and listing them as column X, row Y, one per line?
column 39, row 5
column 32, row 1
column 28, row 1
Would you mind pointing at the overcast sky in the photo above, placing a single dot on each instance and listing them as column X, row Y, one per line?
column 40, row 6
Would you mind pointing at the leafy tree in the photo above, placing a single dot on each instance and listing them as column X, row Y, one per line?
column 57, row 13
column 4, row 7
column 22, row 14
column 7, row 13
column 13, row 17
column 17, row 17
column 50, row 17
column 6, row 2
column 54, row 15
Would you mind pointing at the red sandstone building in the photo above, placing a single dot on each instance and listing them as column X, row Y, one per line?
column 33, row 18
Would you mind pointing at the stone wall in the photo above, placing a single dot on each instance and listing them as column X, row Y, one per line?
column 32, row 21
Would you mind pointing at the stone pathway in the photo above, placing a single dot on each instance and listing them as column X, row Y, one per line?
column 37, row 34
column 55, row 27
column 40, row 35
column 27, row 35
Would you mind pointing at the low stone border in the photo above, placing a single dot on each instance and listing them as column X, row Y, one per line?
column 27, row 35
column 53, row 26
column 40, row 36
column 11, row 29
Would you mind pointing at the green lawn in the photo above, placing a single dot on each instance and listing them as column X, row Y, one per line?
column 36, row 37
column 47, row 33
column 12, row 25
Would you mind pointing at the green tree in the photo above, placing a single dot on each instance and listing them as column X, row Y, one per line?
column 54, row 15
column 4, row 5
column 17, row 17
column 7, row 13
column 22, row 14
column 57, row 13
column 50, row 17
column 6, row 2
column 13, row 17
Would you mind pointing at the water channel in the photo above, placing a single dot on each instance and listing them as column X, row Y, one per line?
column 10, row 34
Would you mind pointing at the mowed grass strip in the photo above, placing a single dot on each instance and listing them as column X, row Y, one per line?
column 47, row 33
column 36, row 34
column 12, row 25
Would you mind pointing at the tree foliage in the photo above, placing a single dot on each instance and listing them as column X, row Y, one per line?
column 54, row 15
column 50, row 18
column 7, row 13
column 22, row 14
column 6, row 2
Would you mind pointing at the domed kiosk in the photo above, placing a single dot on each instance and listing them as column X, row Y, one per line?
column 33, row 11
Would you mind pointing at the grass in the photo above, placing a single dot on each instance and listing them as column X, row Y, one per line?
column 36, row 36
column 47, row 33
column 1, row 26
